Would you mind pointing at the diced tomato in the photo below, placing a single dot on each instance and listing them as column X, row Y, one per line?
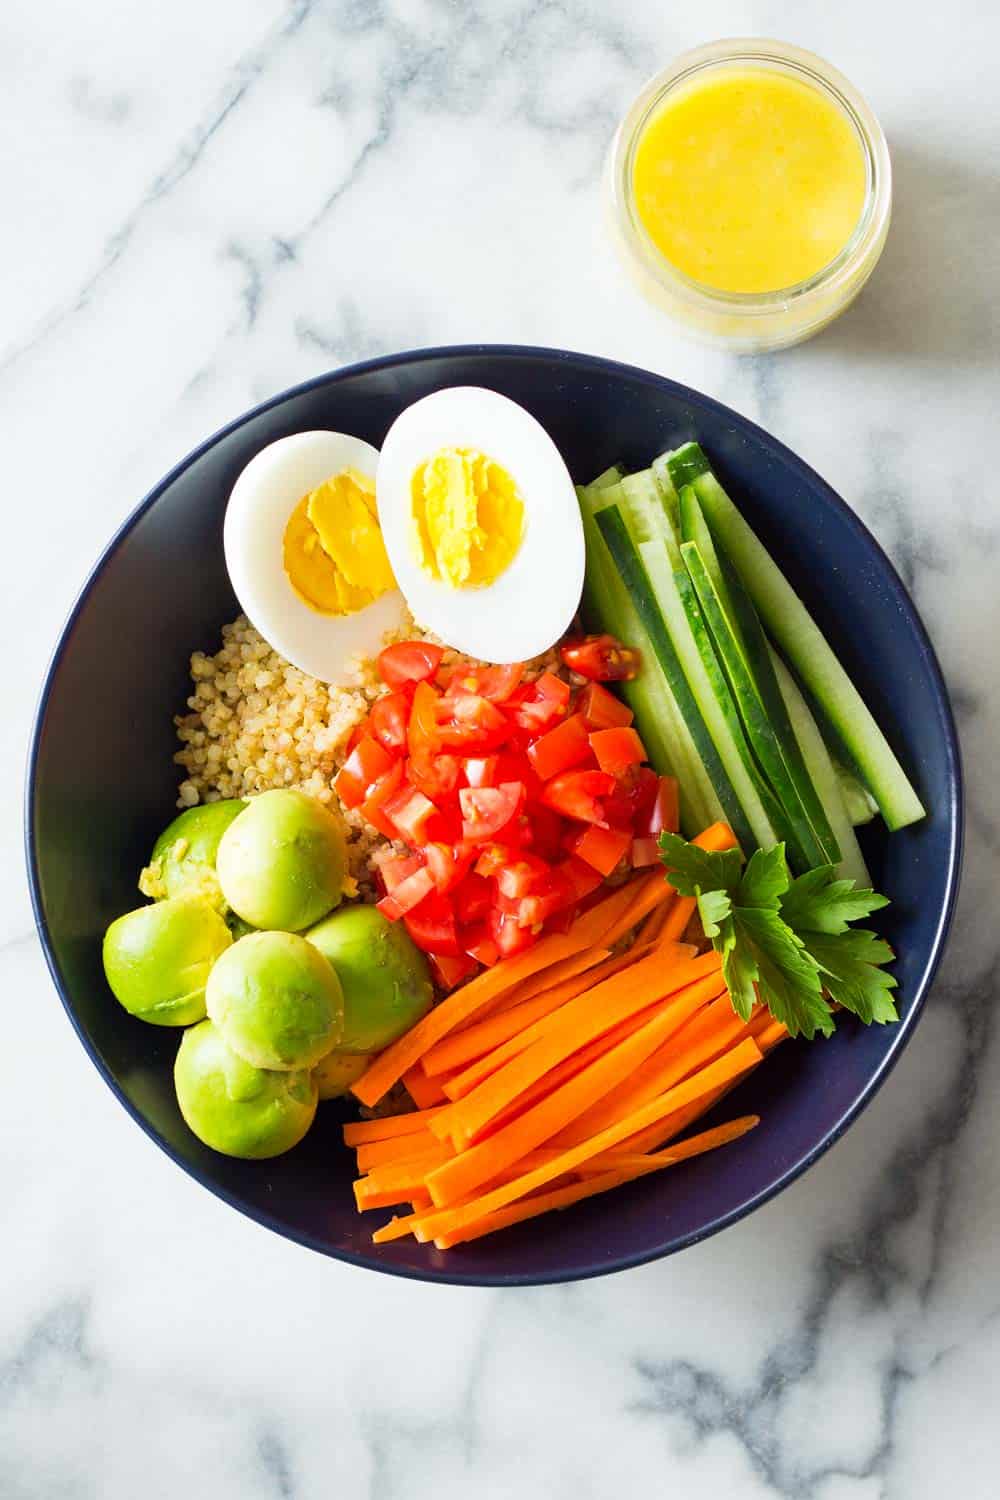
column 523, row 875
column 449, row 969
column 600, row 658
column 471, row 724
column 480, row 946
column 492, row 859
column 388, row 721
column 422, row 734
column 577, row 794
column 488, row 809
column 434, row 775
column 431, row 925
column 632, row 798
column 545, row 701
column 494, row 683
column 562, row 920
column 601, row 709
column 509, row 937
column 582, row 877
column 561, row 748
column 472, row 898
column 408, row 661
column 546, row 829
column 481, row 770
column 357, row 733
column 395, row 870
column 645, row 851
column 409, row 893
column 373, row 807
column 411, row 813
column 448, row 864
column 617, row 749
column 362, row 768
column 537, row 906
column 663, row 812
column 604, row 848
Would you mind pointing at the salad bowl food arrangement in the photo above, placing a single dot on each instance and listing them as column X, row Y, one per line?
column 564, row 850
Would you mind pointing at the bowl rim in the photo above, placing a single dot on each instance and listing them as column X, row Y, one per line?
column 956, row 809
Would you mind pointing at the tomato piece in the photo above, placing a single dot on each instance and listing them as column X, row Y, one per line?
column 471, row 724
column 395, row 870
column 422, row 734
column 373, row 807
column 472, row 898
column 492, row 858
column 538, row 908
column 411, row 813
column 617, row 749
column 409, row 893
column 434, row 775
column 632, row 798
column 600, row 658
column 509, row 937
column 523, row 875
column 645, row 851
column 357, row 733
column 481, row 770
column 408, row 661
column 388, row 721
column 545, row 701
column 488, row 809
column 545, row 828
column 583, row 878
column 450, row 969
column 448, row 864
column 663, row 813
column 480, row 946
column 431, row 925
column 601, row 709
column 494, row 683
column 577, row 794
column 604, row 848
column 561, row 748
column 362, row 768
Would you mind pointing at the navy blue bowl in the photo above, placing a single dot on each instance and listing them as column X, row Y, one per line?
column 101, row 785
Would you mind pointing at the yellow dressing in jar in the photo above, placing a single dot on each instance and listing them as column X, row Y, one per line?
column 748, row 180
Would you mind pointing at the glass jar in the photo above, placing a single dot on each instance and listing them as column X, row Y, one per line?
column 749, row 322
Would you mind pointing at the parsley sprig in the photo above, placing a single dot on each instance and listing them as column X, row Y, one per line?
column 785, row 942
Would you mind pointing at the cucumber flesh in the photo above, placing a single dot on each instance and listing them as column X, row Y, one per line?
column 630, row 566
column 825, row 776
column 686, row 464
column 859, row 803
column 798, row 636
column 694, row 528
column 610, row 476
column 762, row 732
column 667, row 489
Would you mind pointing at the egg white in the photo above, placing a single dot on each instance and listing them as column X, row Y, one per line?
column 531, row 605
column 263, row 498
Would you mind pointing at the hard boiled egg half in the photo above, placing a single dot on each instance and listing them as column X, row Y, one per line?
column 305, row 553
column 481, row 524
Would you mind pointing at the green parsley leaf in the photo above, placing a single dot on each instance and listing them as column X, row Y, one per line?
column 849, row 962
column 693, row 870
column 765, row 879
column 818, row 902
column 713, row 908
column 788, row 979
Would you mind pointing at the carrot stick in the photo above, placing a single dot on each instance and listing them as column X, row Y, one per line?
column 580, row 1022
column 771, row 1036
column 425, row 1092
column 397, row 1148
column 599, row 918
column 360, row 1132
column 626, row 1171
column 474, row 1041
column 457, row 1178
column 653, row 925
column 390, row 1065
column 653, row 893
column 567, row 968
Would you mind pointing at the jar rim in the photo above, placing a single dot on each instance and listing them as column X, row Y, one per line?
column 869, row 231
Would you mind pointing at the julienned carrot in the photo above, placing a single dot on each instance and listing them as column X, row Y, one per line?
column 715, row 1076
column 530, row 1208
column 653, row 924
column 567, row 968
column 461, row 1084
column 580, row 1022
column 425, row 1092
column 390, row 1065
column 397, row 1148
column 653, row 892
column 360, row 1132
column 473, row 1042
column 468, row 1171
column 769, row 1038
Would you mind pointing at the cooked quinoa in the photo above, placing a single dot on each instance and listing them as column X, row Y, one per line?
column 255, row 723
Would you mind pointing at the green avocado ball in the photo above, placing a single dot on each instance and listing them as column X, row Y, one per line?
column 183, row 857
column 276, row 1001
column 157, row 958
column 281, row 862
column 335, row 1072
column 234, row 1107
column 386, row 983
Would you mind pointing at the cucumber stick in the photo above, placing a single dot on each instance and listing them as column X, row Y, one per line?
column 630, row 566
column 607, row 606
column 798, row 636
column 825, row 775
column 660, row 556
column 769, row 733
column 610, row 476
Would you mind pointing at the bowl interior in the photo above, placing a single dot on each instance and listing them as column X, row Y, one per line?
column 102, row 785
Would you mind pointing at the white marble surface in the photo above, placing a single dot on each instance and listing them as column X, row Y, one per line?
column 205, row 203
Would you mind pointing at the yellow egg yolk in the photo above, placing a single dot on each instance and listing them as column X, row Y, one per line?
column 333, row 550
column 748, row 180
column 467, row 517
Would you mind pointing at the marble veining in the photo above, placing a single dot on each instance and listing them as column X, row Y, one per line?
column 205, row 204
